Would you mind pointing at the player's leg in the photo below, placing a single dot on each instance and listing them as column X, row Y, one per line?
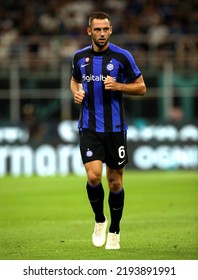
column 116, row 198
column 116, row 158
column 92, row 152
column 116, row 205
column 95, row 193
column 95, row 189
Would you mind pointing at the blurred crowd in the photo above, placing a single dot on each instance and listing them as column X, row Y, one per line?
column 39, row 30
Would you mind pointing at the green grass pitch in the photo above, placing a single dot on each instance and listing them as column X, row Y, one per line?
column 50, row 218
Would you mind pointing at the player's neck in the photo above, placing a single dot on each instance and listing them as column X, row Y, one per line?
column 99, row 49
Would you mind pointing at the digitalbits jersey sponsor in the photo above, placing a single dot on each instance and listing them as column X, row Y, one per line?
column 102, row 110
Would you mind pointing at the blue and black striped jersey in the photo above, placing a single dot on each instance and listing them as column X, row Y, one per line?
column 102, row 110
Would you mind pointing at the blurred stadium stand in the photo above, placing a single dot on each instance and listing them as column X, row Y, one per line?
column 38, row 117
column 38, row 39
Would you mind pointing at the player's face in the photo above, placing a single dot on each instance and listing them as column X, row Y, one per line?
column 100, row 31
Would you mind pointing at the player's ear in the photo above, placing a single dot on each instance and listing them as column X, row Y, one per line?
column 89, row 31
column 111, row 29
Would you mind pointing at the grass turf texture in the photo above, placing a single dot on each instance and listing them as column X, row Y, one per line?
column 50, row 218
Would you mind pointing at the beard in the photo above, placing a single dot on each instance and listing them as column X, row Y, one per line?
column 100, row 44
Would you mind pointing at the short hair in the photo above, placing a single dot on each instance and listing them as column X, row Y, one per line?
column 98, row 15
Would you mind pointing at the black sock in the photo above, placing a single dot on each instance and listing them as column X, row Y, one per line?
column 96, row 198
column 116, row 205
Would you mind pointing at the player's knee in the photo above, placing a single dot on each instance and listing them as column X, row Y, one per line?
column 94, row 178
column 115, row 185
column 114, row 180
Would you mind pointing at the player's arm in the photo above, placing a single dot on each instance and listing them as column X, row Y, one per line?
column 138, row 86
column 77, row 90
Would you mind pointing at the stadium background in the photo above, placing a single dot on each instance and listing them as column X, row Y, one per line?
column 48, row 217
column 38, row 133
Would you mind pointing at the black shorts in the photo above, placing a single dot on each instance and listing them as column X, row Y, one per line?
column 109, row 147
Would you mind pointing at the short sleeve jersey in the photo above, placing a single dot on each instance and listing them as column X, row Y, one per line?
column 102, row 110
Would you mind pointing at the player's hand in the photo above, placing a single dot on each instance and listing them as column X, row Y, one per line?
column 79, row 96
column 110, row 83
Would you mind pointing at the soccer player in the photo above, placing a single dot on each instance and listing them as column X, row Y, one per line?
column 102, row 73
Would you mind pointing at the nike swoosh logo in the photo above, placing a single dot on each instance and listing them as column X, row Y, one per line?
column 116, row 209
column 120, row 162
column 83, row 65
